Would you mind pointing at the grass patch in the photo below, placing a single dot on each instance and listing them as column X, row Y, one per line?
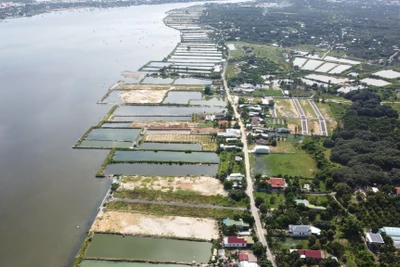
column 273, row 200
column 289, row 243
column 81, row 253
column 266, row 92
column 307, row 108
column 170, row 210
column 230, row 71
column 299, row 163
column 106, row 162
column 338, row 109
column 182, row 196
column 283, row 147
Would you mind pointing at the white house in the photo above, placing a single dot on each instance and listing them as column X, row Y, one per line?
column 235, row 177
column 261, row 150
column 303, row 230
column 230, row 133
column 234, row 242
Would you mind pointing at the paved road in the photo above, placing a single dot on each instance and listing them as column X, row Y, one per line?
column 129, row 200
column 303, row 118
column 273, row 112
column 259, row 229
column 321, row 118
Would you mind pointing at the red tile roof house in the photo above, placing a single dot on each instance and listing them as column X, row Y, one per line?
column 243, row 257
column 308, row 253
column 234, row 242
column 223, row 122
column 277, row 184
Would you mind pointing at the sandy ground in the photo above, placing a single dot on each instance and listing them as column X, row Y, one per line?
column 203, row 185
column 314, row 124
column 286, row 108
column 132, row 74
column 130, row 86
column 205, row 130
column 142, row 224
column 142, row 96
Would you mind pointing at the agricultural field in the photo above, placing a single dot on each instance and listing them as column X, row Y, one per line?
column 132, row 223
column 299, row 163
column 202, row 185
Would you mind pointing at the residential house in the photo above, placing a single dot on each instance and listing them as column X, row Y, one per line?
column 398, row 191
column 303, row 230
column 210, row 118
column 306, row 203
column 374, row 239
column 244, row 261
column 240, row 224
column 308, row 253
column 229, row 147
column 235, row 177
column 277, row 183
column 235, row 242
column 229, row 133
column 283, row 130
column 223, row 122
column 261, row 149
column 255, row 108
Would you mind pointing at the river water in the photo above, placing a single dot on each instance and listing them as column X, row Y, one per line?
column 53, row 70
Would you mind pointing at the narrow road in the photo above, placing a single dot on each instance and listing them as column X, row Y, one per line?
column 273, row 112
column 303, row 118
column 129, row 200
column 321, row 118
column 259, row 229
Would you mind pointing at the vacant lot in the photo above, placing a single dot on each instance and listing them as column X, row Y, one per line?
column 283, row 147
column 202, row 185
column 299, row 163
column 307, row 108
column 163, row 124
column 166, row 226
column 286, row 108
column 142, row 96
column 326, row 111
column 158, row 87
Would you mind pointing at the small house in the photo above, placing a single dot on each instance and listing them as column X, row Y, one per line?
column 261, row 149
column 210, row 118
column 235, row 177
column 276, row 183
column 374, row 239
column 235, row 242
column 303, row 230
column 308, row 253
column 283, row 130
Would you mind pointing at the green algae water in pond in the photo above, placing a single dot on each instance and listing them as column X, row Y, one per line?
column 171, row 146
column 104, row 246
column 166, row 156
column 113, row 134
column 91, row 263
column 105, row 144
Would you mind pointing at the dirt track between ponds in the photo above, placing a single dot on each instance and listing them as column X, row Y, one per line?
column 168, row 226
column 203, row 185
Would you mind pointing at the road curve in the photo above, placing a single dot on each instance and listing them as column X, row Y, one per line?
column 259, row 229
column 129, row 200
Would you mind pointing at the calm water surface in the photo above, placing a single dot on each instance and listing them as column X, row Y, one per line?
column 53, row 70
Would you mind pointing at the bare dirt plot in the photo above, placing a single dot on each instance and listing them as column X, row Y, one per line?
column 286, row 108
column 203, row 185
column 315, row 125
column 168, row 226
column 207, row 130
column 292, row 124
column 132, row 74
column 130, row 86
column 142, row 96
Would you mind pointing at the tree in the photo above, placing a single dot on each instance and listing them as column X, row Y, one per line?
column 207, row 90
column 258, row 201
column 264, row 208
column 311, row 240
column 258, row 249
column 273, row 143
column 228, row 185
column 343, row 189
column 352, row 227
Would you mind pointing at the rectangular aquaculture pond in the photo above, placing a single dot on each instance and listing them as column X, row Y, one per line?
column 166, row 156
column 113, row 134
column 105, row 144
column 115, row 125
column 162, row 169
column 105, row 246
column 152, row 118
column 171, row 146
column 92, row 263
column 214, row 101
column 181, row 97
